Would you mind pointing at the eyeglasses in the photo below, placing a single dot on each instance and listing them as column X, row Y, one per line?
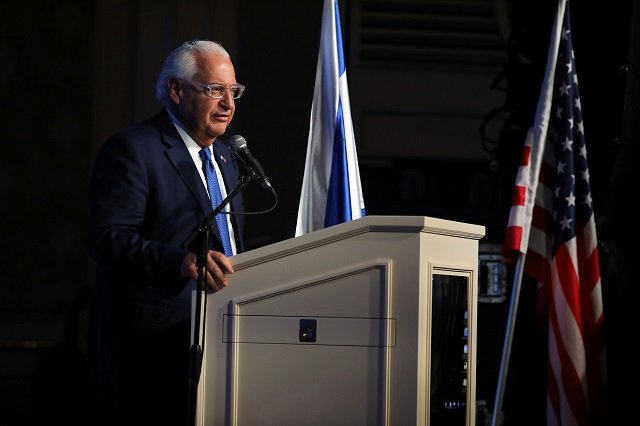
column 217, row 91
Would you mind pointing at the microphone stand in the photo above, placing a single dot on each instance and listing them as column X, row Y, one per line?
column 201, row 250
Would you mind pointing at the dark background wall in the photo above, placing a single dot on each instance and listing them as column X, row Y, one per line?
column 441, row 95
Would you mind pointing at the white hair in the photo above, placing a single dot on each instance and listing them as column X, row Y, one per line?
column 181, row 64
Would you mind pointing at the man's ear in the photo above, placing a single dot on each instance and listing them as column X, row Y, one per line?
column 175, row 90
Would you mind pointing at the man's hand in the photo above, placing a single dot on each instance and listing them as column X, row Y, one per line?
column 218, row 266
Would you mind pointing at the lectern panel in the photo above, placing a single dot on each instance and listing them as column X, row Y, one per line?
column 449, row 349
column 299, row 361
column 359, row 290
column 309, row 330
column 310, row 385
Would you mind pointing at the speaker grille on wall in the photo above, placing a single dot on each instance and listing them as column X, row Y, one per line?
column 434, row 33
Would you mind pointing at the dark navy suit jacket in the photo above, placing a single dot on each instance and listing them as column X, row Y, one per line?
column 146, row 197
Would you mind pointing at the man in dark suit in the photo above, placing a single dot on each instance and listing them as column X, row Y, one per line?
column 148, row 193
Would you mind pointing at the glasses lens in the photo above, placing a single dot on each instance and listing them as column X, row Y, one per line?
column 216, row 90
column 237, row 91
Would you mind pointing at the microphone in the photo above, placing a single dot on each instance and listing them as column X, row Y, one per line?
column 239, row 147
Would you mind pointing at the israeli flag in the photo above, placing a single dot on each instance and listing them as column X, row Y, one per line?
column 331, row 189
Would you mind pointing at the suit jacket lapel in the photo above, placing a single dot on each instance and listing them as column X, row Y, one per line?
column 179, row 156
column 229, row 173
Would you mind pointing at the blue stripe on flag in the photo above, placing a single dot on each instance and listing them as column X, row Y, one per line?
column 339, row 198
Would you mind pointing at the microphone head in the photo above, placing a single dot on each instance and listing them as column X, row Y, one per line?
column 237, row 142
column 238, row 145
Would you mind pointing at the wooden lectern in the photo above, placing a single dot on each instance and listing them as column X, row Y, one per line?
column 370, row 322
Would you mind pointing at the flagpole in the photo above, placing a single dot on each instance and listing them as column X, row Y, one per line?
column 508, row 339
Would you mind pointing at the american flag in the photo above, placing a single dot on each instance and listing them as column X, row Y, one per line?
column 561, row 249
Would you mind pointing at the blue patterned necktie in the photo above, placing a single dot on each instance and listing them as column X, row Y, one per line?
column 216, row 199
